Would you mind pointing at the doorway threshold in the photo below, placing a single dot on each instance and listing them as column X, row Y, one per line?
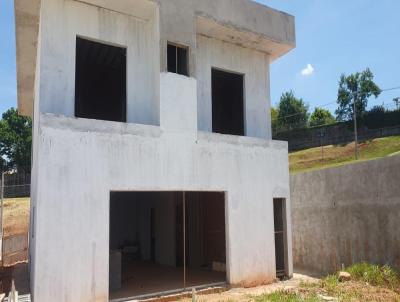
column 170, row 295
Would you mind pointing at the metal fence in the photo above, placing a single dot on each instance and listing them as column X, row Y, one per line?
column 331, row 135
column 16, row 184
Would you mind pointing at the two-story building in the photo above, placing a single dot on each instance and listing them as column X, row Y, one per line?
column 154, row 169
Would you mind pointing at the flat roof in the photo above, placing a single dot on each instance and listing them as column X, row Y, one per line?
column 242, row 22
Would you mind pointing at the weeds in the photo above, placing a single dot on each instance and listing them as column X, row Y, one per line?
column 383, row 276
column 287, row 296
column 330, row 283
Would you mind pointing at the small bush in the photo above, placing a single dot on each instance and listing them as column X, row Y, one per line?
column 375, row 275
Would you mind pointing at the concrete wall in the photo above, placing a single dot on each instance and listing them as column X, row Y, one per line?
column 145, row 39
column 346, row 215
column 83, row 160
column 77, row 162
column 254, row 65
column 63, row 20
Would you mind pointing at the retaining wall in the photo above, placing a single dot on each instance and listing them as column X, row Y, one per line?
column 346, row 215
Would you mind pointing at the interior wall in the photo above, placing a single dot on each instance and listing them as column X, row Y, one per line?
column 63, row 20
column 165, row 228
column 131, row 222
column 123, row 220
column 206, row 234
column 213, row 53
column 194, row 230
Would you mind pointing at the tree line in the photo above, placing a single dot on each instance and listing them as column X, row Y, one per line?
column 291, row 113
column 354, row 91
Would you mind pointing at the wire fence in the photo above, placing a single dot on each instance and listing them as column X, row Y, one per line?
column 336, row 134
column 16, row 184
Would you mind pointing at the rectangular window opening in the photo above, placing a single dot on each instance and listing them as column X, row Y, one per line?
column 165, row 241
column 100, row 81
column 227, row 102
column 177, row 59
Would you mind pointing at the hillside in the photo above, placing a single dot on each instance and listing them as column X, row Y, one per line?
column 335, row 155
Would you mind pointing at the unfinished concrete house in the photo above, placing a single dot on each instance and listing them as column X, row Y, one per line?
column 154, row 170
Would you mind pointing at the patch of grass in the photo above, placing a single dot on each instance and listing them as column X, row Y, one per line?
column 330, row 283
column 384, row 276
column 336, row 155
column 287, row 296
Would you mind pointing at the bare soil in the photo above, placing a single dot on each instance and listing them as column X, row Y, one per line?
column 16, row 216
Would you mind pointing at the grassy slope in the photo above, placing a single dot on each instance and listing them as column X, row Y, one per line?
column 311, row 159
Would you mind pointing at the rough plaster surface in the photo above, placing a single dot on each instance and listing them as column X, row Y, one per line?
column 241, row 22
column 62, row 21
column 77, row 162
column 81, row 161
column 254, row 65
column 346, row 215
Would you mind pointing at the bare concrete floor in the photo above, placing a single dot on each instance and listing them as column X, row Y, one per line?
column 142, row 278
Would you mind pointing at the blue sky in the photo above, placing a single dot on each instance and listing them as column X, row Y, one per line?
column 333, row 36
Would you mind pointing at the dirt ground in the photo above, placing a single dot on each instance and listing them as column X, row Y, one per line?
column 249, row 294
column 16, row 216
column 302, row 288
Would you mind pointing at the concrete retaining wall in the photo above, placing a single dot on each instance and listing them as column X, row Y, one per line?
column 346, row 215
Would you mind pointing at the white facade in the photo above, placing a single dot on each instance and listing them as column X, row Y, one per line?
column 167, row 143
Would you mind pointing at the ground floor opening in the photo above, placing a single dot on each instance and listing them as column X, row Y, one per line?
column 281, row 256
column 165, row 241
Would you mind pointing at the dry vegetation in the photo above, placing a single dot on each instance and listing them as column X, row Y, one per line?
column 335, row 155
column 367, row 283
column 16, row 216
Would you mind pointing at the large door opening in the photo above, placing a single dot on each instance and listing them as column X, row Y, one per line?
column 280, row 237
column 165, row 241
column 227, row 102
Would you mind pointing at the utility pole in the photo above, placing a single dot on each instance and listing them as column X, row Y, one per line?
column 321, row 135
column 355, row 128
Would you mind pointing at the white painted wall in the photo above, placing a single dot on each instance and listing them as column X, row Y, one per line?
column 63, row 20
column 77, row 162
column 178, row 103
column 83, row 160
column 213, row 53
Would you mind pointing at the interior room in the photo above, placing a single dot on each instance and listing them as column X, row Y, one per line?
column 165, row 241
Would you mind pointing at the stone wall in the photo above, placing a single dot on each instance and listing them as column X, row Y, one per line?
column 346, row 215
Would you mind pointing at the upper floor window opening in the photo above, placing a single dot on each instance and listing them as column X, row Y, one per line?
column 100, row 81
column 227, row 102
column 177, row 59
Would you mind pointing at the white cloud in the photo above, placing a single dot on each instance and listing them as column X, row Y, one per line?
column 309, row 70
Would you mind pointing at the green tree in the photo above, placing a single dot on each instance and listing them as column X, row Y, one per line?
column 292, row 112
column 15, row 141
column 274, row 118
column 321, row 117
column 355, row 89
